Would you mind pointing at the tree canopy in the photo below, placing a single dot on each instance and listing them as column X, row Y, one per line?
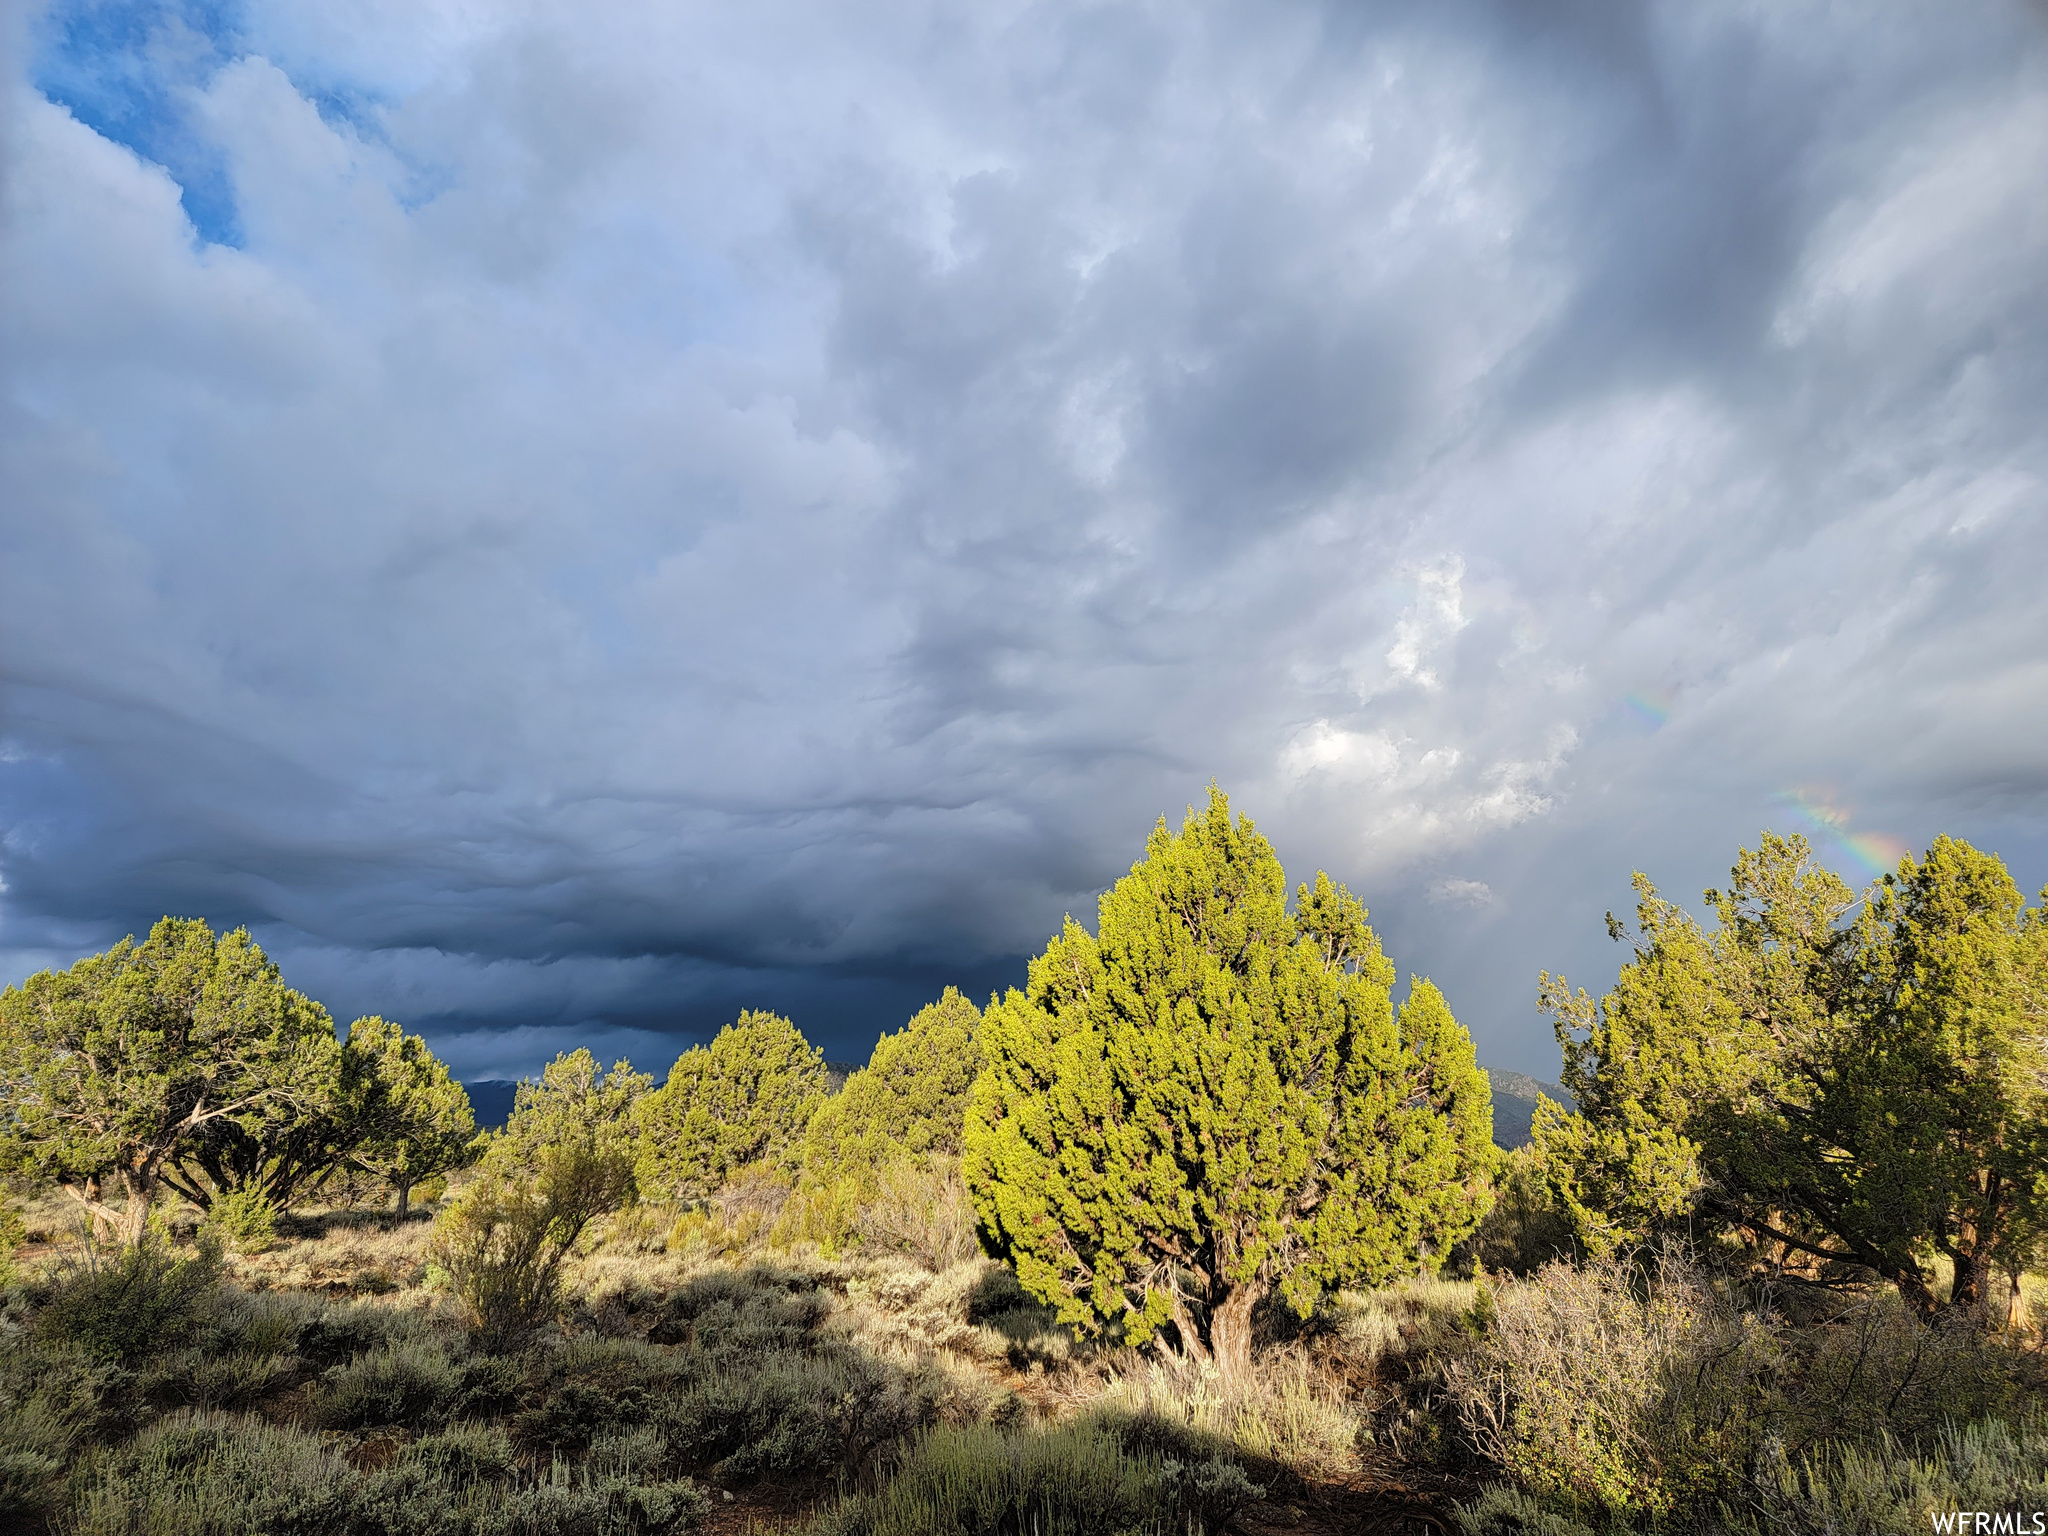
column 910, row 1100
column 1859, row 1090
column 1212, row 1098
column 112, row 1069
column 419, row 1123
column 745, row 1098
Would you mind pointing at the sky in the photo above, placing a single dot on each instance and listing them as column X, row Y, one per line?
column 571, row 521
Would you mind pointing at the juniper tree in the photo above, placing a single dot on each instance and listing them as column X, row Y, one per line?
column 1860, row 1090
column 909, row 1101
column 745, row 1098
column 111, row 1069
column 419, row 1120
column 896, row 1122
column 1211, row 1098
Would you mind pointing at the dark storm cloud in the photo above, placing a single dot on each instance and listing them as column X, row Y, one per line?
column 572, row 524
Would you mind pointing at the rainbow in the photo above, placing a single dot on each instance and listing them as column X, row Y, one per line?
column 1877, row 852
column 1651, row 706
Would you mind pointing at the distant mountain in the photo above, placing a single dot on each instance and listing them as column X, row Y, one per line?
column 1514, row 1105
column 491, row 1098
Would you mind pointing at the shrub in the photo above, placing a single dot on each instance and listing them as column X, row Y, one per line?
column 410, row 1383
column 243, row 1219
column 206, row 1378
column 788, row 1414
column 1873, row 1370
column 920, row 1210
column 502, row 1244
column 1501, row 1510
column 1885, row 1490
column 142, row 1301
column 12, row 1234
column 1072, row 1481
column 465, row 1453
column 1526, row 1228
column 1613, row 1388
column 333, row 1333
column 1285, row 1414
column 210, row 1475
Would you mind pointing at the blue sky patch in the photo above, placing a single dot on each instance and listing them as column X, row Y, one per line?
column 128, row 69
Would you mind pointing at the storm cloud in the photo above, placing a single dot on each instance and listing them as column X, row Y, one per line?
column 570, row 521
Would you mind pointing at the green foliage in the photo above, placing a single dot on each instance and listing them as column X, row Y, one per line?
column 564, row 1159
column 1076, row 1480
column 910, row 1100
column 573, row 1101
column 919, row 1209
column 502, row 1244
column 12, row 1234
column 113, row 1069
column 1849, row 1094
column 1214, row 1099
column 878, row 1156
column 212, row 1475
column 420, row 1124
column 410, row 1383
column 745, row 1098
column 1527, row 1228
column 145, row 1299
column 244, row 1219
column 1613, row 1389
column 1618, row 1392
column 1890, row 1489
column 54, row 1400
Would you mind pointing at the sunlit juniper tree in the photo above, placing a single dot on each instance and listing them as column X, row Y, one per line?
column 1211, row 1099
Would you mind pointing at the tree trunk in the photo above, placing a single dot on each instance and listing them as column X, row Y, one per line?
column 1913, row 1288
column 404, row 1199
column 139, row 1184
column 1230, row 1333
column 1191, row 1343
column 105, row 1219
column 1966, row 1295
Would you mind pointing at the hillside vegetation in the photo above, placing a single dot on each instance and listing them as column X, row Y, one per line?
column 1199, row 1231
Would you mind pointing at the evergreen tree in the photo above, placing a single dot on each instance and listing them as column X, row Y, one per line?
column 910, row 1100
column 1212, row 1098
column 1865, row 1093
column 275, row 1153
column 745, row 1098
column 420, row 1121
column 111, row 1070
column 574, row 1101
column 897, row 1119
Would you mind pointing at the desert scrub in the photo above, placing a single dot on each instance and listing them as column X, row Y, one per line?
column 1888, row 1489
column 54, row 1401
column 1076, row 1480
column 1869, row 1369
column 214, row 1475
column 1614, row 1389
column 411, row 1383
column 132, row 1304
column 1884, row 1488
column 1289, row 1414
column 243, row 1220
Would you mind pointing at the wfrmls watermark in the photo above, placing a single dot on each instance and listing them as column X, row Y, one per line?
column 1979, row 1522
